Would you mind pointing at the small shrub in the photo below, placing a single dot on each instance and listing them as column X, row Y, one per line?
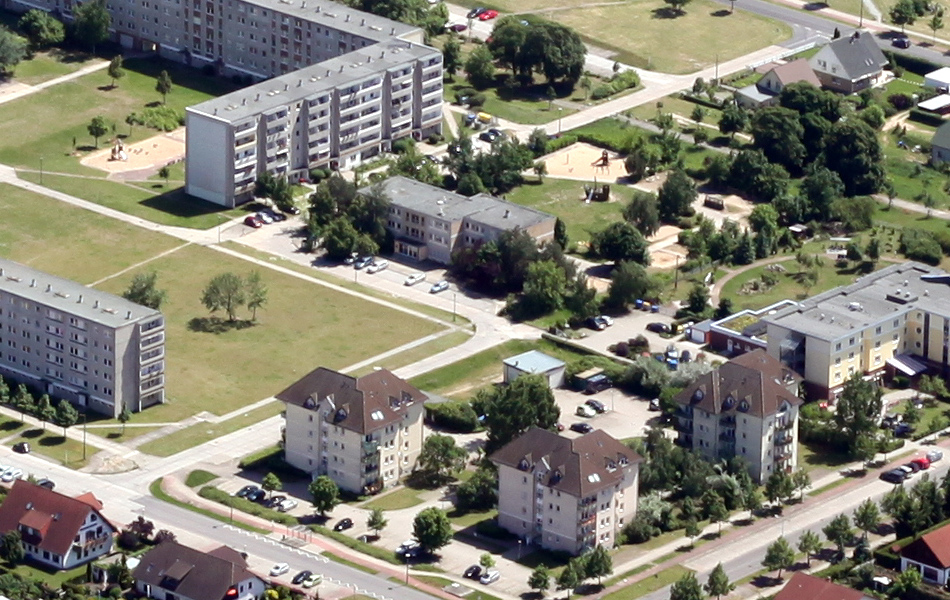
column 900, row 101
column 920, row 245
column 163, row 118
column 600, row 92
column 403, row 145
column 477, row 100
column 622, row 350
column 318, row 175
column 209, row 71
column 459, row 417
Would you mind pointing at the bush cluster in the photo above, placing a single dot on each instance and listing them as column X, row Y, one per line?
column 163, row 118
column 618, row 83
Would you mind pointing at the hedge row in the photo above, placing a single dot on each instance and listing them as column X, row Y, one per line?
column 246, row 506
column 925, row 117
column 910, row 63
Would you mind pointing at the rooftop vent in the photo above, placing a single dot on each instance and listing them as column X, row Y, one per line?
column 362, row 21
column 80, row 299
column 854, row 306
column 33, row 284
column 347, row 18
column 507, row 213
column 128, row 314
column 392, row 31
column 96, row 305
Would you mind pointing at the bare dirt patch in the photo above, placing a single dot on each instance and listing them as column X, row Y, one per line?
column 577, row 161
column 148, row 155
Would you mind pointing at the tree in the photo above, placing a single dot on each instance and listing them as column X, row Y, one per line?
column 163, row 84
column 821, row 187
column 778, row 133
column 686, row 587
column 124, row 417
column 271, row 483
column 98, row 128
column 716, row 511
column 66, row 415
column 911, row 413
column 568, row 579
column 440, row 459
column 873, row 250
column 718, row 584
column 486, row 560
column 643, row 212
column 858, row 410
column 905, row 584
column 560, row 234
column 511, row 410
column 676, row 196
column 692, row 530
column 628, row 282
column 801, row 480
column 116, row 72
column 480, row 67
column 540, row 169
column 376, row 521
column 679, row 6
column 11, row 547
column 44, row 410
column 224, row 292
column 621, row 241
column 540, row 579
column 545, row 287
column 764, row 218
column 41, row 28
column 867, row 516
column 452, row 56
column 598, row 564
column 324, row 494
column 779, row 486
column 903, row 14
column 933, row 386
column 432, row 529
column 536, row 46
column 165, row 173
column 256, row 292
column 779, row 556
column 936, row 22
column 733, row 120
column 809, row 543
column 853, row 151
column 697, row 301
column 839, row 531
column 23, row 401
column 853, row 252
column 91, row 23
column 144, row 290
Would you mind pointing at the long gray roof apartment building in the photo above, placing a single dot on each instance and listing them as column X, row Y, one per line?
column 346, row 84
column 93, row 348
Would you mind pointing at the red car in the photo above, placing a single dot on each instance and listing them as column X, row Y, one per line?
column 488, row 15
column 922, row 462
column 456, row 27
column 252, row 221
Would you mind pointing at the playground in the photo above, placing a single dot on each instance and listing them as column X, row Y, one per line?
column 142, row 158
column 585, row 162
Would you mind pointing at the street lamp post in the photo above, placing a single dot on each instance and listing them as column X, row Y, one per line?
column 519, row 548
column 41, row 170
column 454, row 299
column 407, row 555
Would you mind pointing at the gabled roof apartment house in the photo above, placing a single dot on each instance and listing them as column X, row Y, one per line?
column 173, row 571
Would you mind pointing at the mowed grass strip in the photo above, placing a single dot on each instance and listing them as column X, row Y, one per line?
column 200, row 433
column 54, row 63
column 660, row 580
column 302, row 326
column 71, row 242
column 705, row 32
column 52, row 444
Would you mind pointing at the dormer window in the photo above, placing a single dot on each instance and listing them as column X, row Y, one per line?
column 744, row 406
column 340, row 415
column 698, row 395
column 523, row 465
column 729, row 402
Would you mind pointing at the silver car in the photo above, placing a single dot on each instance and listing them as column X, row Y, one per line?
column 934, row 455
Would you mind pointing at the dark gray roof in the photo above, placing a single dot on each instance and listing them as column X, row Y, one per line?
column 756, row 379
column 190, row 573
column 69, row 297
column 941, row 137
column 364, row 405
column 580, row 467
column 858, row 54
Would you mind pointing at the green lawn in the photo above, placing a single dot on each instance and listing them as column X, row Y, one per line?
column 679, row 106
column 909, row 170
column 815, row 456
column 150, row 201
column 199, row 477
column 194, row 435
column 403, row 497
column 9, row 426
column 302, row 326
column 647, row 585
column 468, row 519
column 408, row 357
column 52, row 444
column 529, row 108
column 44, row 66
column 563, row 198
column 71, row 242
column 115, row 433
column 53, row 579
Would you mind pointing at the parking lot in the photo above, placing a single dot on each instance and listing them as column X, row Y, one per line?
column 631, row 325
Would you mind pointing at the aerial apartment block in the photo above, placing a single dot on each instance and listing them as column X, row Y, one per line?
column 897, row 318
column 90, row 347
column 346, row 83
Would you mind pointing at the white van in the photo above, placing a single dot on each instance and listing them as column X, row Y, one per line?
column 490, row 576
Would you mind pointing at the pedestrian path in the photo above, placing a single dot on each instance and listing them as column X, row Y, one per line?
column 32, row 89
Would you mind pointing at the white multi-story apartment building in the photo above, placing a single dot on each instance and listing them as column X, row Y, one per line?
column 566, row 494
column 348, row 83
column 364, row 433
column 748, row 408
column 90, row 347
column 897, row 318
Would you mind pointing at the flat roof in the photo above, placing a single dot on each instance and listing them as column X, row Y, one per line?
column 341, row 71
column 338, row 16
column 534, row 361
column 941, row 74
column 874, row 298
column 935, row 103
column 69, row 297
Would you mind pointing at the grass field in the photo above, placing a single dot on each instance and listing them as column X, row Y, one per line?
column 407, row 357
column 44, row 66
column 302, row 326
column 52, row 444
column 194, row 435
column 647, row 585
column 199, row 477
column 404, row 497
column 96, row 247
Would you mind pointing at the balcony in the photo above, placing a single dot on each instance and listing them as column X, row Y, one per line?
column 784, row 425
column 728, row 437
column 782, row 439
column 92, row 541
column 371, row 447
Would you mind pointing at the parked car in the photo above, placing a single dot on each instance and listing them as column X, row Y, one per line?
column 608, row 321
column 581, row 427
column 585, row 411
column 246, row 490
column 491, row 575
column 377, row 266
column 252, row 221
column 488, row 136
column 655, row 404
column 440, row 286
column 597, row 383
column 279, row 569
column 922, row 462
column 274, row 501
column 475, row 12
column 894, row 476
column 349, row 260
column 415, row 278
column 473, row 572
column 46, row 483
column 299, row 577
column 595, row 323
column 456, row 27
column 273, row 214
column 12, row 474
column 902, row 429
column 559, row 426
column 488, row 15
column 287, row 505
column 901, row 42
column 498, row 133
column 362, row 262
column 290, row 210
column 343, row 524
column 315, row 579
column 934, row 455
column 22, row 447
column 256, row 496
column 658, row 327
column 685, row 356
column 409, row 548
column 264, row 218
column 596, row 405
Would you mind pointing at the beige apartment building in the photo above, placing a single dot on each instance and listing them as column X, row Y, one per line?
column 747, row 407
column 431, row 223
column 364, row 433
column 566, row 494
column 95, row 349
column 897, row 318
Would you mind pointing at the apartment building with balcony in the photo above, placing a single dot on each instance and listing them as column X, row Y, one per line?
column 97, row 350
column 431, row 223
column 566, row 494
column 897, row 319
column 747, row 407
column 364, row 433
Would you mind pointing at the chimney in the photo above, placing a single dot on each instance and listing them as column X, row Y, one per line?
column 1, row 271
column 303, row 4
column 341, row 68
column 507, row 213
column 258, row 97
column 216, row 111
column 286, row 86
column 347, row 19
column 362, row 21
column 392, row 31
column 96, row 305
column 244, row 102
column 80, row 299
column 128, row 315
column 299, row 82
column 33, row 284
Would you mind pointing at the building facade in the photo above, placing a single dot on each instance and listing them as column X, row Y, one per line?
column 430, row 223
column 929, row 554
column 341, row 84
column 93, row 348
column 862, row 328
column 748, row 408
column 566, row 494
column 57, row 531
column 171, row 571
column 364, row 433
column 850, row 64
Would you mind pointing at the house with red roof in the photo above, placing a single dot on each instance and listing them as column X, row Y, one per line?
column 173, row 571
column 57, row 530
column 804, row 586
column 929, row 554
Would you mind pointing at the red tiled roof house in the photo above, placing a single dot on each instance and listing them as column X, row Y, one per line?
column 803, row 586
column 930, row 554
column 57, row 530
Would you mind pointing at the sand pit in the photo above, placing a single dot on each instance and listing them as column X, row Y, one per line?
column 152, row 153
column 577, row 162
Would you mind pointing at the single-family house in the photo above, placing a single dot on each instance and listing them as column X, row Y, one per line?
column 802, row 586
column 765, row 91
column 57, row 530
column 849, row 64
column 940, row 144
column 930, row 554
column 534, row 362
column 173, row 571
column 939, row 79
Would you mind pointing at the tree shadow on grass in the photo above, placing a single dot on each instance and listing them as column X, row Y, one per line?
column 10, row 425
column 53, row 440
column 32, row 434
column 112, row 435
column 722, row 12
column 665, row 12
column 764, row 581
column 217, row 325
column 86, row 148
column 816, row 5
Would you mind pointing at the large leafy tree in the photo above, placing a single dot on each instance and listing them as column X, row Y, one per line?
column 376, row 521
column 511, row 410
column 820, row 188
column 41, row 28
column 857, row 411
column 66, row 415
column 621, row 241
column 144, row 290
column 324, row 494
column 271, row 483
column 676, row 195
column 91, row 22
column 97, row 126
column 779, row 556
column 480, row 492
column 256, row 292
column 903, row 13
column 480, row 67
column 544, row 288
column 867, row 516
column 452, row 56
column 686, row 588
column 224, row 292
column 778, row 133
column 809, row 543
column 853, row 151
column 432, row 529
column 804, row 98
column 598, row 564
column 440, row 459
column 11, row 547
column 839, row 531
column 540, row 579
column 540, row 46
column 628, row 282
column 733, row 120
column 643, row 212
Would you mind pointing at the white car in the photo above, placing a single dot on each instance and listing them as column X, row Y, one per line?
column 279, row 569
column 415, row 278
column 377, row 266
column 490, row 576
column 607, row 320
column 288, row 504
column 265, row 218
column 7, row 475
column 586, row 411
column 313, row 580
